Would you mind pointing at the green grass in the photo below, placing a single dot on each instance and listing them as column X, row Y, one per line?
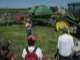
column 46, row 39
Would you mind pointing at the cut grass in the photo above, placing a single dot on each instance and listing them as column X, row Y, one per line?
column 46, row 39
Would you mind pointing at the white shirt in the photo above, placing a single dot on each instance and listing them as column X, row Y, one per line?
column 65, row 45
column 38, row 52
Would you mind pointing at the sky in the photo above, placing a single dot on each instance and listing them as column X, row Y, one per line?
column 31, row 3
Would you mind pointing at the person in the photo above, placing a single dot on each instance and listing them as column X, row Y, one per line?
column 65, row 46
column 32, row 48
column 78, row 31
column 28, row 26
column 5, row 53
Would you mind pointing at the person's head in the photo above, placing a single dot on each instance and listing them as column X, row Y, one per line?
column 65, row 30
column 4, row 46
column 31, row 40
column 28, row 20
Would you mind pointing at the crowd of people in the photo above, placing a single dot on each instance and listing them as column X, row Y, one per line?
column 65, row 47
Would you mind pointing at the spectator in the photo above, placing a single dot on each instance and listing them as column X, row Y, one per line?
column 5, row 53
column 65, row 46
column 78, row 31
column 28, row 26
column 31, row 48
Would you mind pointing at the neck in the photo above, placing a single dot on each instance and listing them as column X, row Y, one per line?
column 32, row 46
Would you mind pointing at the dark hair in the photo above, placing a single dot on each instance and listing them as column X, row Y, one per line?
column 4, row 44
column 31, row 42
column 29, row 21
column 65, row 30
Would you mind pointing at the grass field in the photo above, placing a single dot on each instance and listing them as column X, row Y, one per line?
column 47, row 39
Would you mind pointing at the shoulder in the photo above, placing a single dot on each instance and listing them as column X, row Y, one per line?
column 26, row 24
column 24, row 53
column 39, row 52
column 39, row 49
column 24, row 50
column 70, row 36
column 60, row 37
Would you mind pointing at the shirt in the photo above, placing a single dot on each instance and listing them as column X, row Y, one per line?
column 38, row 52
column 65, row 45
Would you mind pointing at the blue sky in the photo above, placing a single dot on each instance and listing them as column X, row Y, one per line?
column 30, row 3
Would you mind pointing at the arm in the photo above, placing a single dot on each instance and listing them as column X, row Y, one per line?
column 57, row 52
column 39, row 53
column 24, row 53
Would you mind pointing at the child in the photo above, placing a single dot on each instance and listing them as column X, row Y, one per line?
column 5, row 53
column 28, row 26
column 31, row 52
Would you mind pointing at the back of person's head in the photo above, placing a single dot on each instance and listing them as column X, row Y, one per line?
column 65, row 30
column 4, row 47
column 31, row 40
column 4, row 44
column 28, row 20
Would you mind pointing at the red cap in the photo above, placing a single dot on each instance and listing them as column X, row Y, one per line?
column 33, row 37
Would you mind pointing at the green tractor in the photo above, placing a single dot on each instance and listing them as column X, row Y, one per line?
column 41, row 15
